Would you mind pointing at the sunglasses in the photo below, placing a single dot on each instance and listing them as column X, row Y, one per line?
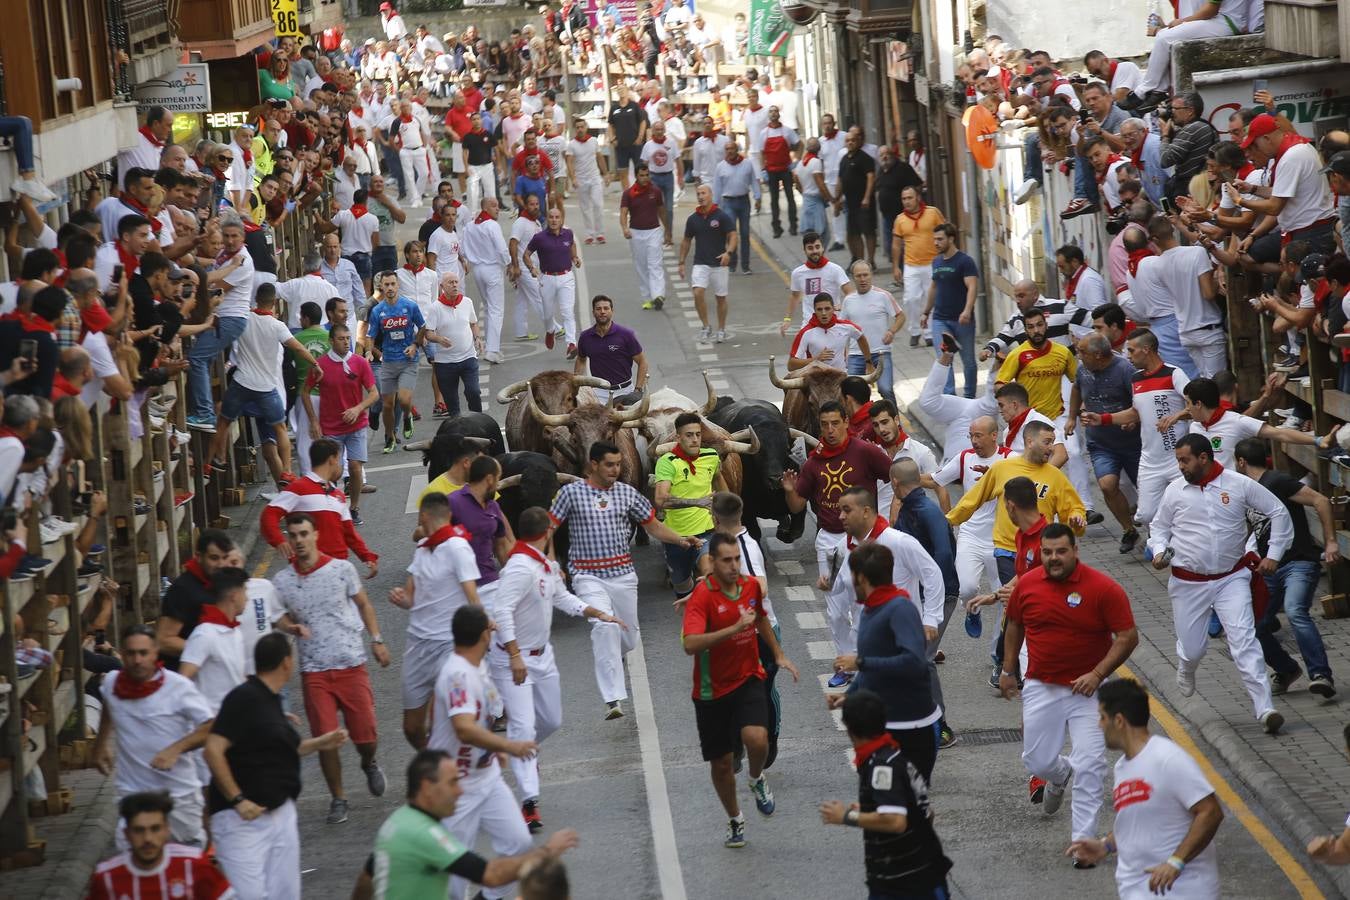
column 226, row 158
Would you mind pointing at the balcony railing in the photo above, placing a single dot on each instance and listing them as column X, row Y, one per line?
column 43, row 40
column 224, row 28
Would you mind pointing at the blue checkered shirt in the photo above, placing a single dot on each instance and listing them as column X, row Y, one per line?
column 600, row 526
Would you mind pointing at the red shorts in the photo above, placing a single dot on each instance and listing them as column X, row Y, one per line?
column 340, row 689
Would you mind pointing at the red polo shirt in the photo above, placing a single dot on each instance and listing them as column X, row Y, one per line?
column 1069, row 624
column 721, row 669
column 457, row 119
column 642, row 207
column 1029, row 547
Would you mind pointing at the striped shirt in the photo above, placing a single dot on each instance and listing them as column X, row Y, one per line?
column 1065, row 323
column 602, row 521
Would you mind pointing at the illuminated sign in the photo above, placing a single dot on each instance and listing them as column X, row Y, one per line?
column 227, row 120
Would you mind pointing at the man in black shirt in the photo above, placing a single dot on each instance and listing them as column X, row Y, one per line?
column 627, row 132
column 857, row 181
column 254, row 755
column 901, row 850
column 1294, row 582
column 182, row 604
column 893, row 176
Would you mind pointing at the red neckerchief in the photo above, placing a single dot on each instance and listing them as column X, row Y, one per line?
column 405, row 118
column 1110, row 161
column 445, row 533
column 324, row 559
column 262, row 312
column 918, row 155
column 1071, row 286
column 883, row 595
column 583, row 139
column 735, row 160
column 637, row 190
column 900, row 437
column 756, row 108
column 360, row 111
column 6, row 431
column 806, row 160
column 1015, row 426
column 194, row 568
column 220, row 176
column 481, row 218
column 61, row 387
column 246, row 154
column 710, row 134
column 815, row 322
column 125, row 688
column 863, row 752
column 1135, row 257
column 1224, row 406
column 861, row 417
column 1137, row 155
column 1214, row 471
column 1111, row 73
column 33, row 322
column 133, row 203
column 824, row 261
column 878, row 527
column 214, row 615
column 825, row 451
column 708, row 213
column 150, row 136
column 829, row 135
column 689, row 460
column 916, row 216
column 409, row 268
column 451, row 302
column 1292, row 139
column 1246, row 170
column 523, row 548
column 130, row 264
column 358, row 210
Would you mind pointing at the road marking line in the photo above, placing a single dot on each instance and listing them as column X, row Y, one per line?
column 809, row 620
column 820, row 649
column 1297, row 875
column 800, row 593
column 406, row 465
column 838, row 716
column 788, row 567
column 415, row 488
column 260, row 570
column 654, row 777
column 707, row 357
column 769, row 260
column 719, row 385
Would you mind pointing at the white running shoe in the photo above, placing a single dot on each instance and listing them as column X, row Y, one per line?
column 1185, row 681
column 1054, row 795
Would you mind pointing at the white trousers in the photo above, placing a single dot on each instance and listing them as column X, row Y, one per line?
column 1077, row 468
column 559, row 296
column 488, row 806
column 527, row 300
column 1158, row 76
column 482, row 182
column 646, row 250
column 1231, row 599
column 917, row 280
column 491, row 283
column 302, row 438
column 533, row 709
column 1153, row 481
column 1207, row 349
column 616, row 595
column 591, row 197
column 975, row 564
column 1048, row 711
column 831, row 550
column 261, row 857
column 841, row 615
column 838, row 220
column 415, row 173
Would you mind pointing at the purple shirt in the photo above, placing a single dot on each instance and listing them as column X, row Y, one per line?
column 611, row 355
column 555, row 250
column 485, row 523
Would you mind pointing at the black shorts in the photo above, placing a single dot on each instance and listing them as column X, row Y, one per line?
column 861, row 220
column 720, row 721
column 625, row 154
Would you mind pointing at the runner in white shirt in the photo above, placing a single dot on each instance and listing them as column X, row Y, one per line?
column 443, row 249
column 416, row 280
column 358, row 227
column 815, row 276
column 755, row 117
column 414, row 136
column 784, row 97
column 709, row 150
column 1166, row 810
column 586, row 171
column 975, row 562
column 1158, row 395
column 891, row 437
column 214, row 654
column 827, row 339
column 442, row 577
column 487, row 254
column 1224, row 427
column 462, row 726
column 261, row 612
column 528, row 295
column 308, row 288
column 879, row 316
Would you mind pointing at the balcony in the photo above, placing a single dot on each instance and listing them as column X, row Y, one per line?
column 1304, row 28
column 144, row 29
column 316, row 15
column 224, row 29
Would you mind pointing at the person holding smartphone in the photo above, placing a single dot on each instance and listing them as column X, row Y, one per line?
column 29, row 338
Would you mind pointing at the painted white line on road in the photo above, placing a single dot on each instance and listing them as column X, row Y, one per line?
column 838, row 716
column 788, row 566
column 820, row 649
column 415, row 487
column 719, row 385
column 800, row 593
column 809, row 620
column 707, row 357
column 654, row 777
column 406, row 465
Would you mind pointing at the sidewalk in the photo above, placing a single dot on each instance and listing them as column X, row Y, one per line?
column 1296, row 774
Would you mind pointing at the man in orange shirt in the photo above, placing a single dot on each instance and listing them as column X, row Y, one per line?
column 912, row 241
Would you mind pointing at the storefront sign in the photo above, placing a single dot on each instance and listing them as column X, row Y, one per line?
column 769, row 29
column 187, row 89
column 227, row 121
column 286, row 17
column 1315, row 101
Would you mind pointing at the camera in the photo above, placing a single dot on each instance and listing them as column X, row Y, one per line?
column 1116, row 224
column 1164, row 112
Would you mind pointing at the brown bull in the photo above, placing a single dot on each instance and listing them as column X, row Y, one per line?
column 808, row 389
column 571, row 434
column 555, row 392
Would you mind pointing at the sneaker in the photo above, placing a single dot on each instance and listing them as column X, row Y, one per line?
column 549, row 340
column 1128, row 540
column 840, row 680
column 1054, row 794
column 649, row 305
column 416, row 416
column 946, row 735
column 993, row 678
column 746, row 272
column 526, row 338
column 35, row 189
column 1280, row 681
column 1026, row 191
column 530, row 811
column 735, row 839
column 1095, row 518
column 1185, row 681
column 589, row 241
column 1272, row 722
column 705, row 335
column 571, row 351
column 614, row 710
column 763, row 796
column 836, row 247
column 201, row 423
column 356, row 518
column 389, row 446
column 1322, row 686
column 268, row 495
column 914, row 340
column 440, row 411
column 407, row 429
column 1079, row 864
column 659, row 301
column 599, row 238
column 721, row 337
column 1077, row 207
column 974, row 624
column 1036, row 788
column 337, row 811
column 375, row 782
column 368, row 488
column 1215, row 626
column 374, row 420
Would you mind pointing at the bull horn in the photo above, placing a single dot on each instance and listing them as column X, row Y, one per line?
column 554, row 420
column 482, row 443
column 660, row 450
column 811, row 443
column 590, row 381
column 784, row 384
column 755, row 445
column 712, row 396
column 632, row 414
column 736, row 447
column 874, row 377
column 418, row 446
column 509, row 482
column 567, row 478
column 564, row 446
column 508, row 393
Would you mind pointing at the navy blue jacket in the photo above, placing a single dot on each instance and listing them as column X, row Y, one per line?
column 894, row 662
column 921, row 518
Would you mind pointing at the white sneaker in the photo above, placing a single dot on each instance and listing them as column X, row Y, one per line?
column 35, row 189
column 60, row 525
column 705, row 335
column 1185, row 681
column 268, row 495
column 721, row 337
column 49, row 535
column 1026, row 191
column 1054, row 795
column 1272, row 722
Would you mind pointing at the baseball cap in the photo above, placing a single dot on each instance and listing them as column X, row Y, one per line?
column 1339, row 164
column 1261, row 126
column 1313, row 266
column 178, row 274
column 388, row 6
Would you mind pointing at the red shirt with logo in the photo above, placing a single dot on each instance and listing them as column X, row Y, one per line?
column 184, row 873
column 1069, row 624
column 722, row 668
column 1029, row 547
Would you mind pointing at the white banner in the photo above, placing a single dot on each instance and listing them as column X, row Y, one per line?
column 186, row 89
column 468, row 3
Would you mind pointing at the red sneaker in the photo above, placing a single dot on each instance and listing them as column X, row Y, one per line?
column 548, row 339
column 530, row 810
column 571, row 351
column 1036, row 787
column 417, row 416
column 600, row 239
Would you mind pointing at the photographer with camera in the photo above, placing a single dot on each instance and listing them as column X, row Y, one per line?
column 1186, row 139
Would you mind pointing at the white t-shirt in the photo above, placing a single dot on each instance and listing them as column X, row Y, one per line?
column 148, row 725
column 1157, row 395
column 1299, row 180
column 218, row 653
column 420, row 287
column 356, row 232
column 258, row 617
column 453, row 323
column 828, row 279
column 322, row 600
column 445, row 246
column 675, row 130
column 1181, row 270
column 522, row 230
column 462, row 687
column 438, row 578
column 660, row 158
column 238, row 297
column 807, row 172
column 411, row 134
column 513, row 129
column 531, row 103
column 755, row 120
column 873, row 312
column 969, row 467
column 752, row 564
column 814, row 339
column 584, row 154
column 1153, row 795
column 95, row 343
column 299, row 291
column 923, row 457
column 1127, row 75
column 255, row 353
column 1225, row 433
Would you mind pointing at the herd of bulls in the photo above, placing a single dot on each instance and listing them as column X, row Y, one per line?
column 552, row 419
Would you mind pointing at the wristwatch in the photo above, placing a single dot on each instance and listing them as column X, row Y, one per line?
column 376, row 639
column 237, row 799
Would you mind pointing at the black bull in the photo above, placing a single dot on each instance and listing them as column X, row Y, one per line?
column 761, row 484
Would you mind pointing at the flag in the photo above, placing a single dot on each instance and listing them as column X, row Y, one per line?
column 769, row 29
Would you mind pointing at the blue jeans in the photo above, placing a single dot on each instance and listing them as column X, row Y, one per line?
column 1164, row 328
column 205, row 347
column 739, row 209
column 965, row 338
column 1084, row 181
column 886, row 384
column 19, row 130
column 1031, row 158
column 1292, row 587
column 449, row 375
column 665, row 183
column 814, row 217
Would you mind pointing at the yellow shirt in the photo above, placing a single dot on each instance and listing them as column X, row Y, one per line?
column 1042, row 373
column 917, row 233
column 720, row 112
column 1057, row 498
column 441, row 484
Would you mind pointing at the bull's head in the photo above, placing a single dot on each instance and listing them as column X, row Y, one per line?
column 588, row 423
column 556, row 390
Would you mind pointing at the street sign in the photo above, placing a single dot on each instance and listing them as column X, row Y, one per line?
column 186, row 89
column 286, row 17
